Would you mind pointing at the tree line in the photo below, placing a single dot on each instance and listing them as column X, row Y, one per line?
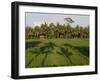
column 52, row 30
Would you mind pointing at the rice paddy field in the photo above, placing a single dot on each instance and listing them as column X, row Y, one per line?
column 56, row 52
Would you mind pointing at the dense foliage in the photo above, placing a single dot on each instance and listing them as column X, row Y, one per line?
column 49, row 31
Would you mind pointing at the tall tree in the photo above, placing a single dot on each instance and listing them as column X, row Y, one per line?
column 37, row 31
column 29, row 32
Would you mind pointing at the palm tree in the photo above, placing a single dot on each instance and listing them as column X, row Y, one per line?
column 37, row 31
column 86, row 32
column 68, row 33
column 52, row 25
column 69, row 21
column 29, row 32
column 77, row 31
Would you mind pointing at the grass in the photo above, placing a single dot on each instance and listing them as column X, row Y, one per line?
column 56, row 52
